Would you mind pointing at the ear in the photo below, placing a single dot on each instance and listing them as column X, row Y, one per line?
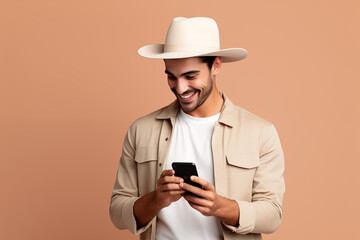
column 216, row 66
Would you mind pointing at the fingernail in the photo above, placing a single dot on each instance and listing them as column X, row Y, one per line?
column 181, row 184
column 181, row 180
column 192, row 177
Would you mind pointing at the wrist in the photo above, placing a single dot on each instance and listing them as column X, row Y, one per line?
column 228, row 211
column 145, row 208
column 155, row 202
column 220, row 210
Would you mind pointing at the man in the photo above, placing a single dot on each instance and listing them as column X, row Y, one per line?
column 238, row 155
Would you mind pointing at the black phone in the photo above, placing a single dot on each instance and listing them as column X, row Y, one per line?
column 185, row 170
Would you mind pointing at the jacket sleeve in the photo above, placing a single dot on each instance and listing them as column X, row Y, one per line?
column 263, row 214
column 125, row 191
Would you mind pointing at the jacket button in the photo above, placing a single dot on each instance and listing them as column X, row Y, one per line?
column 160, row 164
column 166, row 139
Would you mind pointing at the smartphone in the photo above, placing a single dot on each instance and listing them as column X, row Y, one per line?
column 185, row 170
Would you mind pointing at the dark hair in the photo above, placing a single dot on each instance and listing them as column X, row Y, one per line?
column 209, row 60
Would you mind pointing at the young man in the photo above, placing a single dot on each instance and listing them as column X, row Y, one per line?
column 238, row 155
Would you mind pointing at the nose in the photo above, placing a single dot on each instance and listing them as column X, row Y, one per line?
column 181, row 86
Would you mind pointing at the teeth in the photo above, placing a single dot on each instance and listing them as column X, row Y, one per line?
column 187, row 96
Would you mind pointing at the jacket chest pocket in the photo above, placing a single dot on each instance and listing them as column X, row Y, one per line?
column 146, row 160
column 241, row 160
column 240, row 170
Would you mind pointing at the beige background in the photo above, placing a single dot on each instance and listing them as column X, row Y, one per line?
column 72, row 83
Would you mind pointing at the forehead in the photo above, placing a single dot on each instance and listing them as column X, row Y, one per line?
column 183, row 65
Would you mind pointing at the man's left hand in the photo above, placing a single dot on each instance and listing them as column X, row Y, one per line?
column 209, row 203
column 206, row 201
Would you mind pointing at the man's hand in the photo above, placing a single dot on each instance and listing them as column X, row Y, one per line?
column 209, row 203
column 206, row 201
column 168, row 189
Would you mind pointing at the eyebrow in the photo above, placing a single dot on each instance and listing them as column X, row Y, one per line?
column 183, row 74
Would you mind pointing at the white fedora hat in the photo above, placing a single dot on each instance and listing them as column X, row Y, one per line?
column 191, row 37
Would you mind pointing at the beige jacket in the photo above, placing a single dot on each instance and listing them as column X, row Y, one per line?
column 248, row 167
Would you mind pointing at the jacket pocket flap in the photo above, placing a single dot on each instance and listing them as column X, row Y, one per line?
column 145, row 154
column 243, row 160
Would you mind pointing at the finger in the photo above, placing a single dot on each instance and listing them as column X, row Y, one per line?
column 174, row 192
column 205, row 184
column 203, row 210
column 195, row 190
column 168, row 172
column 198, row 200
column 170, row 179
column 169, row 187
column 173, row 179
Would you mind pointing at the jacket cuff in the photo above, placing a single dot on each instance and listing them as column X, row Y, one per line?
column 128, row 213
column 247, row 215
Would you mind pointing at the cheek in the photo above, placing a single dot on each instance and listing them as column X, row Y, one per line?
column 196, row 84
column 202, row 86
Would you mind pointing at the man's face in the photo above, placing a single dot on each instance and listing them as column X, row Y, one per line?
column 190, row 80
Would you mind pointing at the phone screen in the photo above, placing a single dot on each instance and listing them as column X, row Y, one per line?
column 185, row 170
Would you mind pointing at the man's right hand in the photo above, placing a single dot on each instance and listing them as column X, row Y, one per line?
column 167, row 191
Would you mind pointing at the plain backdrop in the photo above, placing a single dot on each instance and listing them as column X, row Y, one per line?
column 71, row 83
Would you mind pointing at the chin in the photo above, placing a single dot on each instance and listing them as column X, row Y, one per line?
column 186, row 108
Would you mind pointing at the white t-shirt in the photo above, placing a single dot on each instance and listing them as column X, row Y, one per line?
column 191, row 142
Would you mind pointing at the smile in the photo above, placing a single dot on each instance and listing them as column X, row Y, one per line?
column 187, row 96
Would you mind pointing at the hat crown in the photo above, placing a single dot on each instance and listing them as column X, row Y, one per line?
column 192, row 34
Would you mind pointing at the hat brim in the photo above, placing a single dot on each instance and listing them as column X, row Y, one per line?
column 156, row 51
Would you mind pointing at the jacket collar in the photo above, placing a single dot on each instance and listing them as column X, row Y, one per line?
column 227, row 112
column 226, row 116
column 169, row 112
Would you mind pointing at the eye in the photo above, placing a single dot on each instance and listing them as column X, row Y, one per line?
column 190, row 77
column 171, row 77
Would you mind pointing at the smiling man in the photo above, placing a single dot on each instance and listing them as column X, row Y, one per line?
column 238, row 154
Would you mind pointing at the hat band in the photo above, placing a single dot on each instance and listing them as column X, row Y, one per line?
column 189, row 48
